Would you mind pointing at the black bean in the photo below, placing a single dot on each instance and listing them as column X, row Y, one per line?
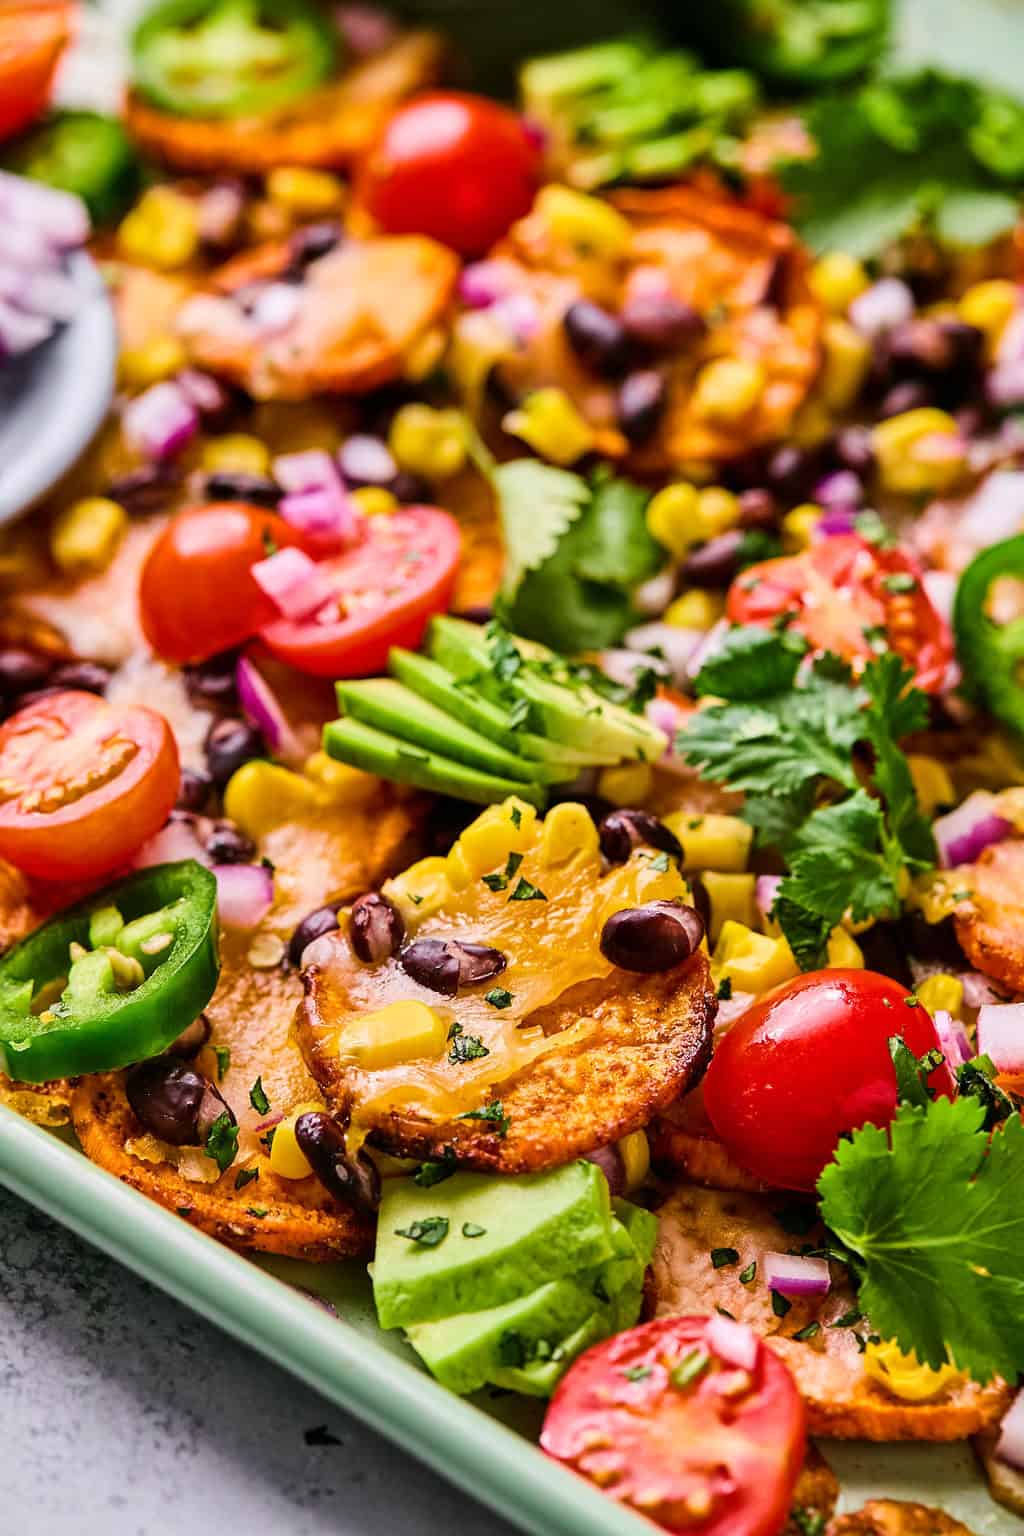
column 480, row 613
column 791, row 471
column 308, row 245
column 609, row 1160
column 445, row 965
column 701, row 899
column 86, row 676
column 229, row 744
column 758, row 509
column 478, row 962
column 597, row 337
column 145, row 490
column 22, row 671
column 640, row 404
column 652, row 938
column 354, row 1180
column 238, row 485
column 377, row 929
column 661, row 322
column 932, row 942
column 195, row 791
column 410, row 490
column 910, row 395
column 313, row 926
column 212, row 681
column 884, row 948
column 715, row 563
column 191, row 1040
column 623, row 830
column 366, row 460
column 173, row 1101
column 226, row 844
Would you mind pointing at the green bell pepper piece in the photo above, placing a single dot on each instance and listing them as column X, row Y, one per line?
column 92, row 1027
column 991, row 655
column 84, row 153
column 231, row 58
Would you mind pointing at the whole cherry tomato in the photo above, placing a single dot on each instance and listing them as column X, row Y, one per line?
column 196, row 593
column 692, row 1421
column 84, row 784
column 456, row 167
column 808, row 1062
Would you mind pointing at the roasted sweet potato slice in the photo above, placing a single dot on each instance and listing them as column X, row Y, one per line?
column 990, row 926
column 331, row 127
column 364, row 310
column 816, row 1492
column 683, row 1140
column 893, row 1517
column 842, row 1400
column 1005, row 1483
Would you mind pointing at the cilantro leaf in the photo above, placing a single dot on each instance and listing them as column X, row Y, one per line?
column 931, row 1212
column 428, row 1231
column 537, row 504
column 258, row 1097
column 751, row 663
column 222, row 1141
column 895, row 709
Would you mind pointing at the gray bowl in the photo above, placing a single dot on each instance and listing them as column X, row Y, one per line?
column 53, row 400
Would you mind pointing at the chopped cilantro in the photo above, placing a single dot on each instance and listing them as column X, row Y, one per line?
column 976, row 1077
column 259, row 1211
column 689, row 1367
column 512, row 866
column 495, row 882
column 427, row 1232
column 747, row 1275
column 809, row 1522
column 493, row 1113
column 848, row 1320
column 524, row 891
column 724, row 1312
column 223, row 1056
column 720, row 1257
column 780, row 1304
column 811, row 1331
column 724, row 990
column 660, row 863
column 464, row 1047
column 498, row 997
column 269, row 543
column 267, row 1139
column 470, row 1229
column 515, row 816
column 222, row 1141
column 245, row 1176
column 429, row 1174
column 637, row 1372
column 899, row 581
column 258, row 1098
column 912, row 1072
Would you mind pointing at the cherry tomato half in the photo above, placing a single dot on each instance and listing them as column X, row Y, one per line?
column 388, row 587
column 808, row 1062
column 32, row 37
column 456, row 167
column 662, row 1422
column 845, row 595
column 82, row 784
column 196, row 593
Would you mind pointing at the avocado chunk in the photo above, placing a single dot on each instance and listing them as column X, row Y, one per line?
column 392, row 707
column 571, row 713
column 534, row 1228
column 363, row 746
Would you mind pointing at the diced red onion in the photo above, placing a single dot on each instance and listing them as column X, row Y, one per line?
column 940, row 590
column 268, row 1122
column 1004, row 385
column 1010, row 1445
column 678, row 645
column 366, row 28
column 978, row 990
column 666, row 715
column 309, row 470
column 734, row 1342
column 274, row 308
column 1001, row 1035
column 483, row 283
column 765, row 891
column 60, row 217
column 886, row 304
column 623, row 666
column 49, row 294
column 995, row 511
column 711, row 641
column 973, row 826
column 956, row 1047
column 518, row 316
column 326, row 517
column 610, row 1163
column 835, row 521
column 219, row 211
column 793, row 1275
column 294, row 583
column 20, row 332
column 1010, row 347
column 245, row 894
column 174, row 842
column 159, row 422
column 841, row 489
column 261, row 709
column 202, row 390
column 653, row 596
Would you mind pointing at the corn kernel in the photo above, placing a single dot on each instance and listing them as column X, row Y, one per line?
column 568, row 831
column 287, row 1158
column 712, row 841
column 989, row 306
column 421, row 890
column 458, row 871
column 237, row 453
column 919, row 452
column 935, row 895
column 941, row 992
column 162, row 230
column 903, row 1374
column 847, row 358
column 932, row 783
column 161, row 358
column 500, row 830
column 635, row 1153
column 843, row 951
column 592, row 226
column 628, row 784
column 718, row 510
column 303, row 192
column 728, row 389
column 425, row 354
column 798, row 527
column 261, row 796
column 339, row 784
column 373, row 501
column 680, row 516
column 549, row 422
column 428, row 442
column 836, row 279
column 402, row 1031
column 812, row 424
column 696, row 609
column 731, row 898
column 752, row 961
column 86, row 534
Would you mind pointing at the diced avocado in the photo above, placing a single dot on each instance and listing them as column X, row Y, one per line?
column 392, row 707
column 363, row 746
column 642, row 1227
column 557, row 763
column 539, row 1378
column 575, row 715
column 536, row 1227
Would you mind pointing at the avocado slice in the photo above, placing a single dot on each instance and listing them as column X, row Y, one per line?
column 535, row 1227
column 575, row 715
column 557, row 763
column 392, row 707
column 363, row 746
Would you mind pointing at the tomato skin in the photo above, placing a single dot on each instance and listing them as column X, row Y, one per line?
column 196, row 594
column 32, row 38
column 130, row 757
column 456, row 167
column 836, row 590
column 741, row 1454
column 417, row 550
column 806, row 1063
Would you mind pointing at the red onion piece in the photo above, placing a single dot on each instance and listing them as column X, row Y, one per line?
column 245, row 894
column 1010, row 1445
column 834, row 522
column 653, row 596
column 309, row 470
column 677, row 644
column 483, row 283
column 174, row 842
column 978, row 990
column 61, row 218
column 765, row 892
column 956, row 1047
column 50, row 295
column 1004, row 385
column 623, row 666
column 518, row 316
column 885, row 304
column 275, row 307
column 366, row 28
column 159, row 422
column 294, row 583
column 261, row 708
column 610, row 1164
column 220, row 209
column 1001, row 1035
column 973, row 826
column 710, row 642
column 733, row 1342
column 20, row 332
column 793, row 1275
column 324, row 516
column 202, row 390
column 842, row 489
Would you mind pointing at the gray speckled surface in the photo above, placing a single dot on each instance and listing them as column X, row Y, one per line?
column 122, row 1414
